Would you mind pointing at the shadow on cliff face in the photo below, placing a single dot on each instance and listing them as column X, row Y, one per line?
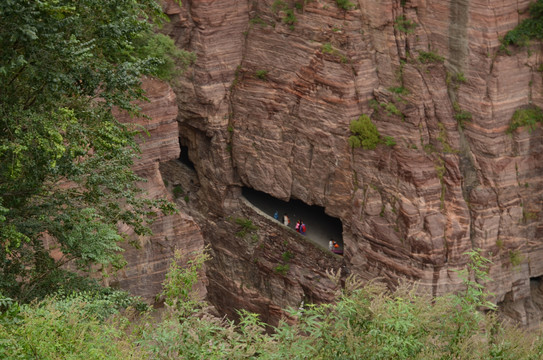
column 184, row 155
column 320, row 227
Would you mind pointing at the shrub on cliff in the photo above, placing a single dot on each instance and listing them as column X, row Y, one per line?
column 531, row 28
column 529, row 116
column 365, row 133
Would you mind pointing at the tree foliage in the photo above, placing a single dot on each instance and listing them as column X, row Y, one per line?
column 64, row 159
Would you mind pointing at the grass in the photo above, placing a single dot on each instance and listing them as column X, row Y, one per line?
column 345, row 4
column 392, row 109
column 281, row 269
column 246, row 226
column 287, row 255
column 427, row 57
column 290, row 18
column 400, row 90
column 389, row 141
column 460, row 77
column 262, row 74
column 327, row 48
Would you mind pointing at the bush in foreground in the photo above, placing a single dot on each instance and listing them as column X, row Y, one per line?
column 367, row 322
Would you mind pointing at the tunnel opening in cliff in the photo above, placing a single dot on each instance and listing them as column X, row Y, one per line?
column 321, row 228
column 184, row 154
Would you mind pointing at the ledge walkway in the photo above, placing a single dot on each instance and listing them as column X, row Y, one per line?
column 320, row 228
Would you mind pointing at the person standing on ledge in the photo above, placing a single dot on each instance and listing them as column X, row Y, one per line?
column 302, row 227
column 286, row 220
column 276, row 215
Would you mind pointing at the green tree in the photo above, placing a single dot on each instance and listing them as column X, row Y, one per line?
column 65, row 161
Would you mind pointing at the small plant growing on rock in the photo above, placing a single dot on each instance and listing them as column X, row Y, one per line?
column 528, row 215
column 460, row 77
column 461, row 115
column 405, row 25
column 529, row 116
column 327, row 48
column 427, row 57
column 287, row 255
column 262, row 74
column 254, row 238
column 246, row 226
column 290, row 19
column 278, row 5
column 400, row 90
column 281, row 269
column 389, row 141
column 392, row 109
column 374, row 104
column 345, row 4
column 365, row 133
column 515, row 257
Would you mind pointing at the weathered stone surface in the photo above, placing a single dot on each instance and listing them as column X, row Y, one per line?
column 409, row 210
column 148, row 263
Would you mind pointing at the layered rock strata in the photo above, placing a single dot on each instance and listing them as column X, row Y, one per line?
column 269, row 102
column 149, row 260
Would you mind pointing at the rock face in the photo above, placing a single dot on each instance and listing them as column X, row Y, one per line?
column 269, row 102
column 148, row 263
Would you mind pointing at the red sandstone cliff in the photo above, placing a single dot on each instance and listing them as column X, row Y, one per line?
column 149, row 260
column 268, row 105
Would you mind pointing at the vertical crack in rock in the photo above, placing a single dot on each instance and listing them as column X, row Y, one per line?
column 458, row 29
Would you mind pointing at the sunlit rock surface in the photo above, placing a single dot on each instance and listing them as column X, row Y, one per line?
column 268, row 105
column 149, row 260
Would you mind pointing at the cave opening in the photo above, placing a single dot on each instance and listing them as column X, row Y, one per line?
column 320, row 227
column 536, row 289
column 184, row 154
